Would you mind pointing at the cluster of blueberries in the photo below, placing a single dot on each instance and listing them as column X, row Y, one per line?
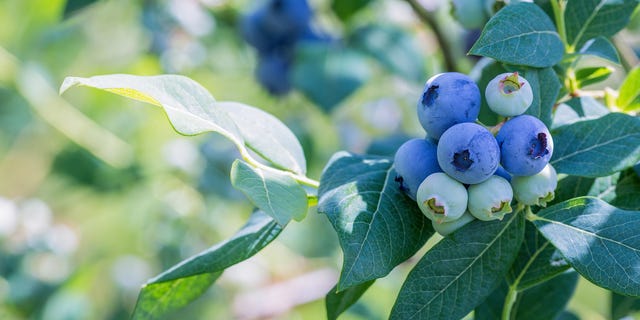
column 461, row 171
column 274, row 28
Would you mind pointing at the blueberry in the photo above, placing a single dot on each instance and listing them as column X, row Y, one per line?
column 441, row 198
column 447, row 99
column 447, row 228
column 509, row 94
column 273, row 72
column 470, row 13
column 276, row 24
column 414, row 161
column 491, row 199
column 501, row 172
column 525, row 145
column 469, row 153
column 537, row 189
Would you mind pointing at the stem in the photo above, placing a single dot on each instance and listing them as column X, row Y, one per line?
column 429, row 19
column 558, row 13
column 509, row 301
column 302, row 179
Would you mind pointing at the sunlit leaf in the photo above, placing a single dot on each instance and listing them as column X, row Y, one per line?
column 588, row 19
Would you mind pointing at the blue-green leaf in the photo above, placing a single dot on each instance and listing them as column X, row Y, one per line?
column 327, row 73
column 520, row 34
column 537, row 261
column 601, row 47
column 460, row 272
column 377, row 224
column 629, row 95
column 546, row 300
column 599, row 147
column 600, row 241
column 588, row 19
column 393, row 47
column 274, row 192
column 187, row 280
column 546, row 86
column 338, row 302
column 627, row 191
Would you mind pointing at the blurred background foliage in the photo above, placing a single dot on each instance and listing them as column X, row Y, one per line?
column 98, row 194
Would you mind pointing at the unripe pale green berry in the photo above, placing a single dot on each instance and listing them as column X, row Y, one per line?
column 509, row 94
column 447, row 228
column 537, row 189
column 442, row 198
column 490, row 199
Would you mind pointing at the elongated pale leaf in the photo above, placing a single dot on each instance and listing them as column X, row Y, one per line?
column 460, row 272
column 275, row 193
column 339, row 302
column 267, row 136
column 623, row 306
column 601, row 47
column 592, row 75
column 378, row 226
column 599, row 147
column 537, row 261
column 588, row 19
column 183, row 283
column 629, row 96
column 600, row 241
column 546, row 86
column 159, row 299
column 190, row 107
column 520, row 34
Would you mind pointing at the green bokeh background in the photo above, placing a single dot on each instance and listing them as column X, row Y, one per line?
column 99, row 194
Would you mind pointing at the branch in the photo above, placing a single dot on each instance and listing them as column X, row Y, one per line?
column 429, row 19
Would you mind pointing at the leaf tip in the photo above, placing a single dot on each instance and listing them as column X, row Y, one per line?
column 68, row 83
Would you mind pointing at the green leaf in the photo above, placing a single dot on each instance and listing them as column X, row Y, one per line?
column 623, row 306
column 587, row 76
column 159, row 299
column 377, row 224
column 327, row 74
column 537, row 261
column 74, row 6
column 599, row 147
column 627, row 191
column 546, row 86
column 546, row 300
column 520, row 34
column 629, row 95
column 190, row 278
column 190, row 107
column 277, row 194
column 588, row 19
column 393, row 47
column 338, row 302
column 600, row 241
column 460, row 272
column 567, row 315
column 600, row 47
column 491, row 308
column 578, row 109
column 192, row 110
column 346, row 9
column 267, row 136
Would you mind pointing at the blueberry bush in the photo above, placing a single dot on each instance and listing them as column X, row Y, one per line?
column 526, row 177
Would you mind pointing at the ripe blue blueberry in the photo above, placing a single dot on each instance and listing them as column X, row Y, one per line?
column 273, row 72
column 490, row 199
column 501, row 172
column 447, row 99
column 509, row 94
column 414, row 161
column 469, row 153
column 525, row 145
column 447, row 228
column 442, row 198
column 537, row 189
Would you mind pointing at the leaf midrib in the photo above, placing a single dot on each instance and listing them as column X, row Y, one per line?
column 506, row 226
